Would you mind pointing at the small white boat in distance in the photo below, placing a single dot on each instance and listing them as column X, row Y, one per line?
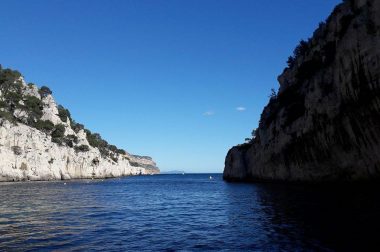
column 210, row 177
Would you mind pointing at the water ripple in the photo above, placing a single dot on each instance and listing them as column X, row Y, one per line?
column 190, row 212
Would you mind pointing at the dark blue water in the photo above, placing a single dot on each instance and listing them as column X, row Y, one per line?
column 187, row 212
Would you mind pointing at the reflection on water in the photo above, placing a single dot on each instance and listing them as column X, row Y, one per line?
column 186, row 212
column 344, row 218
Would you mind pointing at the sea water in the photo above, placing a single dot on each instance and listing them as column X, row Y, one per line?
column 186, row 212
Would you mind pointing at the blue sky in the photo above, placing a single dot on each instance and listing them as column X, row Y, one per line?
column 179, row 80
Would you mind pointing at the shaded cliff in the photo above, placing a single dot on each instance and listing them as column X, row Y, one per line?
column 40, row 141
column 324, row 122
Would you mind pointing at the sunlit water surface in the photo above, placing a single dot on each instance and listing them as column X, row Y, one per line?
column 187, row 212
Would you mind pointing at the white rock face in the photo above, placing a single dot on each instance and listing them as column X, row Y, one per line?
column 82, row 139
column 21, row 79
column 28, row 154
column 31, row 90
column 50, row 111
column 21, row 114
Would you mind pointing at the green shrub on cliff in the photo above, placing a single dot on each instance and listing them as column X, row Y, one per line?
column 70, row 140
column 33, row 105
column 73, row 138
column 76, row 126
column 12, row 99
column 82, row 148
column 59, row 131
column 63, row 113
column 121, row 151
column 95, row 140
column 135, row 164
column 57, row 136
column 7, row 116
column 112, row 148
column 9, row 81
column 46, row 126
column 57, row 140
column 291, row 61
column 45, row 91
column 106, row 150
column 3, row 104
column 273, row 94
column 300, row 50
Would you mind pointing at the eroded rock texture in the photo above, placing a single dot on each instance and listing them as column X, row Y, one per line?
column 31, row 151
column 324, row 123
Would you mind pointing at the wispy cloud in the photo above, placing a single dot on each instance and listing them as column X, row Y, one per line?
column 241, row 109
column 209, row 113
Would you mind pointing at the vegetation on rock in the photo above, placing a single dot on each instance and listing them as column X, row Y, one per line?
column 13, row 99
column 322, row 124
column 45, row 91
column 63, row 113
column 82, row 148
column 44, row 125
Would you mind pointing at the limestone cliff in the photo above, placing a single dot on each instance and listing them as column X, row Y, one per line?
column 40, row 141
column 324, row 122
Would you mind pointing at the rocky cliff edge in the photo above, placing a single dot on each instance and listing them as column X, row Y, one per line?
column 40, row 141
column 324, row 122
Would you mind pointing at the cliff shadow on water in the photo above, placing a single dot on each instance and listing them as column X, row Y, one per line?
column 295, row 217
column 338, row 218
